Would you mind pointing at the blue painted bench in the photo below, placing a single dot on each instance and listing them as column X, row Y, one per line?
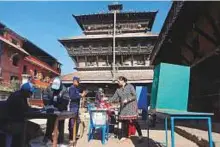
column 173, row 115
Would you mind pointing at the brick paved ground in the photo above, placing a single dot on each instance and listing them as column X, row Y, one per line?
column 202, row 134
column 156, row 135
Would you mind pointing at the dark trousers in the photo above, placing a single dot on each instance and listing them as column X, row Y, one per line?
column 17, row 141
column 22, row 132
column 50, row 128
column 18, row 134
column 74, row 107
column 125, row 124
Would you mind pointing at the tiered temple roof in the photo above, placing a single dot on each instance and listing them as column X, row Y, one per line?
column 107, row 18
column 133, row 76
column 133, row 38
column 103, row 36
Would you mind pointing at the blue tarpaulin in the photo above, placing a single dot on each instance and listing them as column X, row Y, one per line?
column 142, row 99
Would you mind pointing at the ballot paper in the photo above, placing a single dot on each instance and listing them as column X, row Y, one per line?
column 99, row 118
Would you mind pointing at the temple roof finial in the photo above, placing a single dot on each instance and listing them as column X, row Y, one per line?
column 115, row 7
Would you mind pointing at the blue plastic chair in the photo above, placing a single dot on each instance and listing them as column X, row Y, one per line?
column 92, row 127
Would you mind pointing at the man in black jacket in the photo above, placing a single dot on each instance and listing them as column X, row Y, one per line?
column 57, row 96
column 16, row 107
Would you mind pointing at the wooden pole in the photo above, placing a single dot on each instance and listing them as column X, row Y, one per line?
column 74, row 131
column 55, row 132
column 114, row 30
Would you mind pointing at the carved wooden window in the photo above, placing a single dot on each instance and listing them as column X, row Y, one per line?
column 123, row 44
column 127, row 60
column 110, row 60
column 24, row 69
column 91, row 61
column 1, row 32
column 90, row 47
column 103, row 60
column 140, row 61
column 1, row 48
column 58, row 66
column 13, row 78
column 118, row 61
column 14, row 41
column 0, row 72
column 35, row 72
column 15, row 60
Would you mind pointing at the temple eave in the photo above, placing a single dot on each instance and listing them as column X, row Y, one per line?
column 109, row 82
column 135, row 76
column 89, row 37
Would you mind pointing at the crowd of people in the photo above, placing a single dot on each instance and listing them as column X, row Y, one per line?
column 60, row 98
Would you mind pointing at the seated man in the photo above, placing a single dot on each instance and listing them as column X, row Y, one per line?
column 16, row 107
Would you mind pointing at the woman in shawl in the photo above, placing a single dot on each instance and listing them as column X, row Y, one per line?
column 126, row 95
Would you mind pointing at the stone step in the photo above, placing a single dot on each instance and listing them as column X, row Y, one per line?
column 200, row 137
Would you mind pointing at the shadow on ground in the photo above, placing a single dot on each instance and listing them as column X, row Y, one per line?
column 158, row 126
column 145, row 143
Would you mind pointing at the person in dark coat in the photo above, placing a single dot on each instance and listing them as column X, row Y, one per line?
column 126, row 95
column 55, row 95
column 76, row 92
column 16, row 107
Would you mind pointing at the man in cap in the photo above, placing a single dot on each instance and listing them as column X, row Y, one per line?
column 17, row 106
column 76, row 93
column 57, row 96
column 17, row 103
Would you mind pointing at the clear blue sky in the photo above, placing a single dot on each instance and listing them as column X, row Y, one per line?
column 45, row 22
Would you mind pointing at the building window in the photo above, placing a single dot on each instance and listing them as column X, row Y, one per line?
column 15, row 60
column 1, row 32
column 43, row 76
column 35, row 73
column 140, row 62
column 0, row 72
column 14, row 41
column 24, row 69
column 1, row 48
column 58, row 66
column 91, row 61
column 13, row 78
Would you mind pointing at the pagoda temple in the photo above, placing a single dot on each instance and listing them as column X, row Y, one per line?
column 113, row 44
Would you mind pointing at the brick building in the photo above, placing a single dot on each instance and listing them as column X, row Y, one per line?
column 20, row 58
